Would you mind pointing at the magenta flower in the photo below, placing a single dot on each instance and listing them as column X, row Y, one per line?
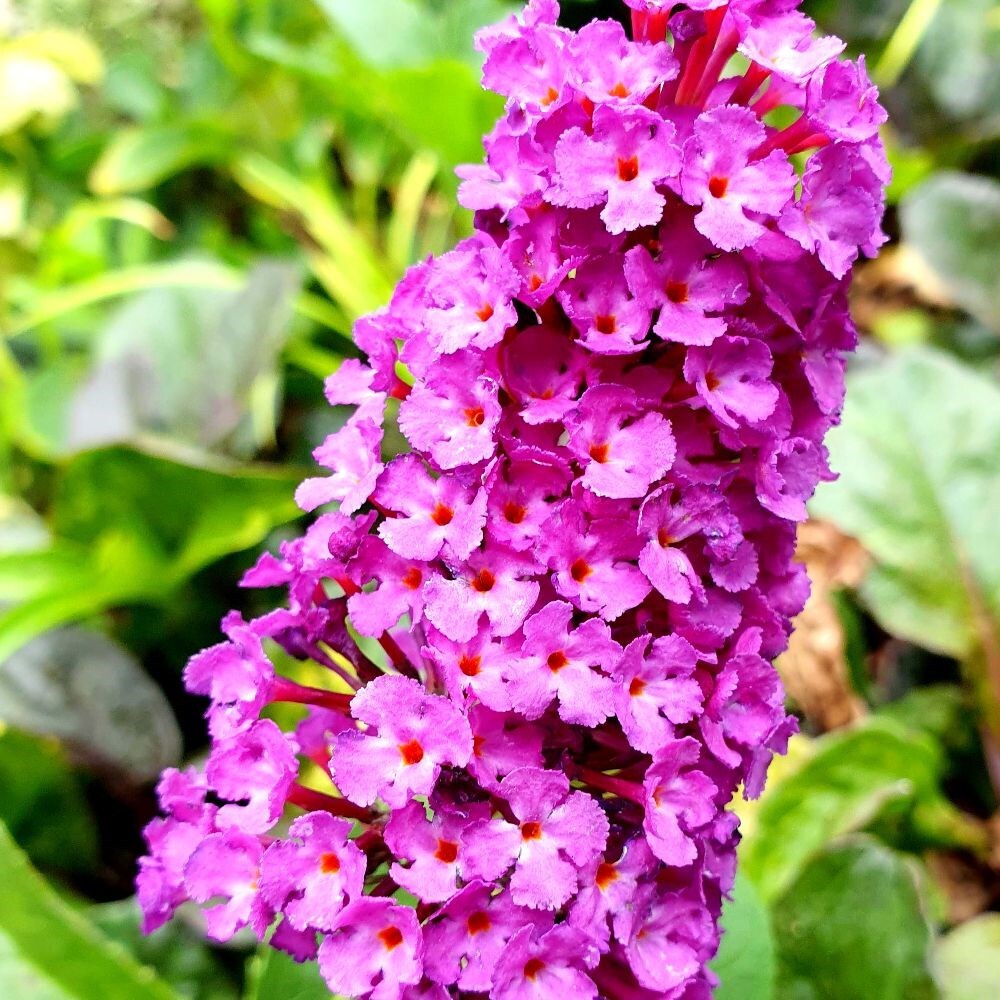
column 311, row 876
column 552, row 964
column 571, row 665
column 414, row 735
column 679, row 802
column 375, row 949
column 623, row 449
column 468, row 935
column 720, row 175
column 434, row 848
column 431, row 513
column 556, row 833
column 686, row 283
column 226, row 866
column 656, row 690
column 618, row 166
column 543, row 637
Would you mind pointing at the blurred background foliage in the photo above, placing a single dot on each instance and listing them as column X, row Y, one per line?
column 197, row 197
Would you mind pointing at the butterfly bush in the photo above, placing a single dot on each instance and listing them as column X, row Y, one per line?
column 549, row 627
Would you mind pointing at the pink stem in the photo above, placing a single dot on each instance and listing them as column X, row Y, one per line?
column 617, row 786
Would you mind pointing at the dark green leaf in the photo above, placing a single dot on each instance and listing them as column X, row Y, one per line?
column 745, row 964
column 38, row 784
column 177, row 952
column 49, row 951
column 272, row 975
column 852, row 927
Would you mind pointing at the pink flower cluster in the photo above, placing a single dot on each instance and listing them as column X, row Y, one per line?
column 557, row 613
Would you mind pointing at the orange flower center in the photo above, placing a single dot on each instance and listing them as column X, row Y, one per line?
column 557, row 661
column 469, row 665
column 447, row 851
column 718, row 186
column 412, row 752
column 391, row 937
column 532, row 967
column 628, row 169
column 606, row 875
column 677, row 292
column 514, row 512
column 442, row 515
column 599, row 452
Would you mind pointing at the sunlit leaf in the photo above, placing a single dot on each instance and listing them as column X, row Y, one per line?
column 49, row 951
column 968, row 959
column 851, row 777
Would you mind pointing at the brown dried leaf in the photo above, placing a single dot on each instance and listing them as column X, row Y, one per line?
column 814, row 668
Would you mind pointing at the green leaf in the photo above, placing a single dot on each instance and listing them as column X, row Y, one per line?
column 953, row 221
column 853, row 927
column 38, row 784
column 968, row 86
column 92, row 695
column 968, row 960
column 178, row 952
column 49, row 951
column 849, row 780
column 131, row 526
column 190, row 513
column 917, row 455
column 272, row 975
column 745, row 963
column 411, row 40
column 140, row 158
column 419, row 34
column 128, row 281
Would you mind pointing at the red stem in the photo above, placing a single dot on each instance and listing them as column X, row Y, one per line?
column 650, row 27
column 699, row 56
column 298, row 694
column 313, row 801
column 752, row 81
